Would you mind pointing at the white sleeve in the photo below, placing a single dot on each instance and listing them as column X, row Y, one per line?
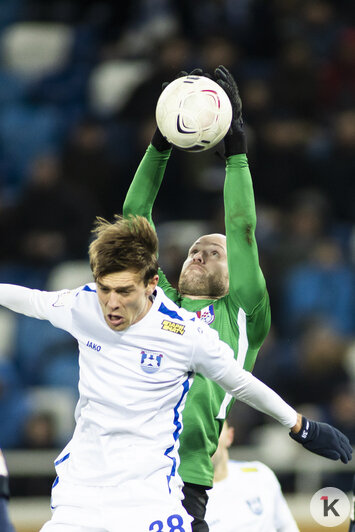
column 52, row 306
column 215, row 360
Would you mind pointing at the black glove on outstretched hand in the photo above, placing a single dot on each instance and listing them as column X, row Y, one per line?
column 323, row 439
column 235, row 140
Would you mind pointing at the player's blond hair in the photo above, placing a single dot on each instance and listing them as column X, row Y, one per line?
column 126, row 244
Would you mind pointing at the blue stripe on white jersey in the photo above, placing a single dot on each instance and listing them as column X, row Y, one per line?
column 177, row 423
column 171, row 313
column 57, row 462
column 88, row 289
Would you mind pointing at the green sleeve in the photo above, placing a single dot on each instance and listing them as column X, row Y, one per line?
column 168, row 289
column 142, row 193
column 247, row 287
column 146, row 183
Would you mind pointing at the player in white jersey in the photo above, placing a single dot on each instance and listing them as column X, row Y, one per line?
column 138, row 353
column 246, row 496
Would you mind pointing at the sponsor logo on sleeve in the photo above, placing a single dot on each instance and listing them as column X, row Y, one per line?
column 173, row 327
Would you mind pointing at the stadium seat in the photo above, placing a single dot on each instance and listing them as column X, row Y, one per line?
column 70, row 274
column 23, row 45
column 46, row 355
column 7, row 333
column 27, row 131
column 112, row 82
column 181, row 232
column 23, row 275
column 39, row 348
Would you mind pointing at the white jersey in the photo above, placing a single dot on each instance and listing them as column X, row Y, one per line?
column 133, row 384
column 248, row 500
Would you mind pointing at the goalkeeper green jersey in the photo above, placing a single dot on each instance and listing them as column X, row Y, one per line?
column 242, row 317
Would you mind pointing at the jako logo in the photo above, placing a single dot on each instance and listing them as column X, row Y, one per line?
column 93, row 346
column 330, row 507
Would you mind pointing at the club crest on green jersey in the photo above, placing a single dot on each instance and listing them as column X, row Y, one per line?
column 150, row 361
column 206, row 314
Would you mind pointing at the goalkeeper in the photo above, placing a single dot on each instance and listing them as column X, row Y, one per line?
column 226, row 289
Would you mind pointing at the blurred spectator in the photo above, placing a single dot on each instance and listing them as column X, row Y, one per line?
column 14, row 406
column 306, row 218
column 295, row 80
column 288, row 235
column 280, row 167
column 342, row 410
column 320, row 27
column 321, row 288
column 337, row 76
column 87, row 165
column 217, row 50
column 45, row 217
column 332, row 169
column 310, row 370
column 257, row 100
column 39, row 432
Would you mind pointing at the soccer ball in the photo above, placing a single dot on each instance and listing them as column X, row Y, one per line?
column 193, row 113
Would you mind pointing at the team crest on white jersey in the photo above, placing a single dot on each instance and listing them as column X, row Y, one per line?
column 206, row 314
column 255, row 505
column 150, row 361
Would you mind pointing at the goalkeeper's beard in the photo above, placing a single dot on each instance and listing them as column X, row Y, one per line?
column 199, row 284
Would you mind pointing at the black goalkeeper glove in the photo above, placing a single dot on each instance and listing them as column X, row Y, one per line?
column 235, row 140
column 323, row 439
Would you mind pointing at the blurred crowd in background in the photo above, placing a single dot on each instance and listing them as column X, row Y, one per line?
column 79, row 81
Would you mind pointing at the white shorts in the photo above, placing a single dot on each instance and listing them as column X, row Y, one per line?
column 133, row 507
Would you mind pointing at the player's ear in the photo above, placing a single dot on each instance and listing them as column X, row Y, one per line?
column 152, row 284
